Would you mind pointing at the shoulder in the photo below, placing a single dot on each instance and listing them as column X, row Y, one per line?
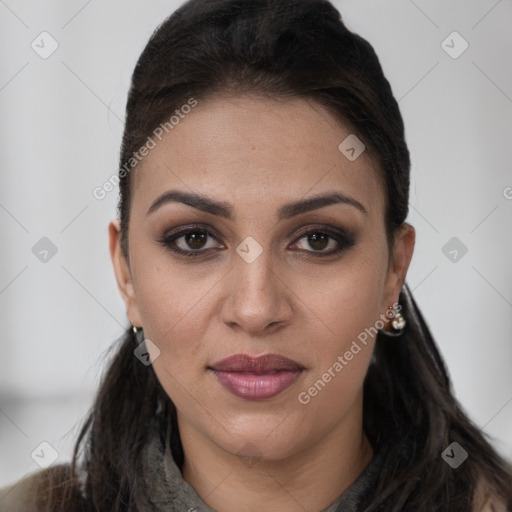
column 21, row 496
column 31, row 493
column 486, row 500
column 494, row 505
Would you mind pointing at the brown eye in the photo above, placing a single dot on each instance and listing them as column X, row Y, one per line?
column 191, row 242
column 318, row 240
column 195, row 239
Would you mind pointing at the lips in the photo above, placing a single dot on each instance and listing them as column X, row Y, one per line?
column 262, row 364
column 256, row 378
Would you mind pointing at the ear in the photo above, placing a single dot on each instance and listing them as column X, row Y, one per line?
column 398, row 266
column 123, row 273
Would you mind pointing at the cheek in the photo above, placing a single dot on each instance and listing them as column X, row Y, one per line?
column 348, row 302
column 329, row 395
column 173, row 322
column 175, row 303
column 349, row 308
column 172, row 298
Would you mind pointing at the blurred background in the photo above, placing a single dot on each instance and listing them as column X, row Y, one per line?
column 64, row 76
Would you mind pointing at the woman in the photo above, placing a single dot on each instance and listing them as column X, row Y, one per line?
column 276, row 357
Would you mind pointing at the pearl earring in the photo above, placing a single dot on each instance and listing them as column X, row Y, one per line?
column 398, row 323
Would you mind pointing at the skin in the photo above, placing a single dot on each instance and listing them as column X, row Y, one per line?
column 258, row 154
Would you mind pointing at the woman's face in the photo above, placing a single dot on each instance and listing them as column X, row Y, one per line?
column 262, row 270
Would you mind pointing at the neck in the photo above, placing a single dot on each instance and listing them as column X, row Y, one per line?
column 309, row 480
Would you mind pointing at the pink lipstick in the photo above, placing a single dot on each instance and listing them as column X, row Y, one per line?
column 256, row 378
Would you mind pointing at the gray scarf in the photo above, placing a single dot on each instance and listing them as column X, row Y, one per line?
column 164, row 490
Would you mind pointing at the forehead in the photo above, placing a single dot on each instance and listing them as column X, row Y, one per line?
column 254, row 150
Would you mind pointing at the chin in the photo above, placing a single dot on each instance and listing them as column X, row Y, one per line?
column 263, row 443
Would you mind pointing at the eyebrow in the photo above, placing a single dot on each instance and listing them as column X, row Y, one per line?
column 225, row 209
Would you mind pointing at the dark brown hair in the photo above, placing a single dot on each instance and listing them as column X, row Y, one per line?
column 288, row 49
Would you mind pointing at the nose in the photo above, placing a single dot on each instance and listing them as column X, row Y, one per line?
column 258, row 301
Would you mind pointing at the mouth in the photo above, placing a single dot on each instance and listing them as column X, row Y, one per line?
column 256, row 378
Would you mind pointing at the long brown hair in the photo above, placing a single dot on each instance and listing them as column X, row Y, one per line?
column 286, row 48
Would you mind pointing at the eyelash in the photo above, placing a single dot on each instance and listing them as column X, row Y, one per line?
column 343, row 239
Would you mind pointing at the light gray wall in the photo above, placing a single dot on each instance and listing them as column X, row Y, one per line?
column 60, row 131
